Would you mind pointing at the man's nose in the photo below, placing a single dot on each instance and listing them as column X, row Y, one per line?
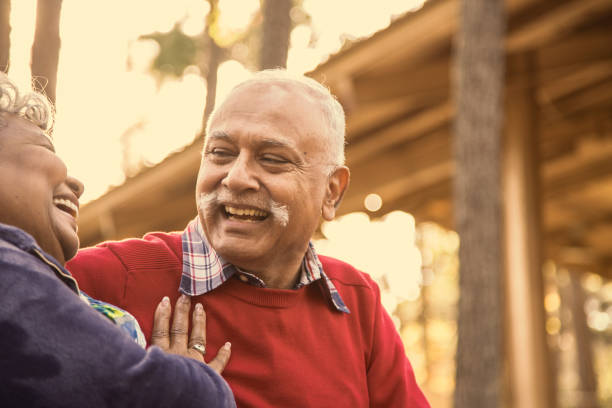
column 240, row 176
column 75, row 185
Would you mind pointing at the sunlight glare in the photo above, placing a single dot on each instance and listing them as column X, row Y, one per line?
column 373, row 202
column 195, row 21
column 141, row 55
column 300, row 36
column 354, row 237
column 229, row 75
column 235, row 15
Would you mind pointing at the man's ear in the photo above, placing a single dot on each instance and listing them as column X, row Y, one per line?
column 336, row 186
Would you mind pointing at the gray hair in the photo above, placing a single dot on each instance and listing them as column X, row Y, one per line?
column 330, row 107
column 30, row 105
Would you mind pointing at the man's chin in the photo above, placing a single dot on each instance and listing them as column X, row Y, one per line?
column 238, row 251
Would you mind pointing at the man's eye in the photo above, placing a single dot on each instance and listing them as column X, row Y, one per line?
column 274, row 160
column 217, row 152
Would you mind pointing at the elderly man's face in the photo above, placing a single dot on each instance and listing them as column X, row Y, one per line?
column 36, row 194
column 264, row 179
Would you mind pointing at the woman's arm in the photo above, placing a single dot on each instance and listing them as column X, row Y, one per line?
column 57, row 351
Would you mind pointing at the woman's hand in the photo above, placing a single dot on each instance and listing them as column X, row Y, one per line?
column 174, row 340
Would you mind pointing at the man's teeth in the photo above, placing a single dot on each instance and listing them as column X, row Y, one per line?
column 61, row 202
column 245, row 212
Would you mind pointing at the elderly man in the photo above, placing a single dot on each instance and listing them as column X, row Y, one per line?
column 306, row 330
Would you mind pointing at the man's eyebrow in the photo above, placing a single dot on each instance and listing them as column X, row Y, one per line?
column 276, row 143
column 219, row 135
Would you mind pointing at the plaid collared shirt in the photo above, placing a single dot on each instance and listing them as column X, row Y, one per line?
column 204, row 270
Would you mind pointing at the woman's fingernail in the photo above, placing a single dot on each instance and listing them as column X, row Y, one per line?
column 184, row 298
column 199, row 308
column 227, row 345
column 165, row 301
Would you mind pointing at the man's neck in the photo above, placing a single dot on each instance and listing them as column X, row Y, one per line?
column 278, row 277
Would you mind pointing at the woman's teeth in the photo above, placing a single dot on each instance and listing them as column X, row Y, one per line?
column 66, row 206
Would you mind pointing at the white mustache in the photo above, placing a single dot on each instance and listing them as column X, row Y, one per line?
column 279, row 212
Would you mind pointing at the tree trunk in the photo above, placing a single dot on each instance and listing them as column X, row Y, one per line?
column 214, row 58
column 5, row 34
column 212, row 64
column 46, row 46
column 479, row 69
column 276, row 30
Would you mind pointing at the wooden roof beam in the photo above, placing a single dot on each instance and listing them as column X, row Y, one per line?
column 431, row 77
column 420, row 153
column 586, row 99
column 430, row 204
column 581, row 227
column 176, row 166
column 409, row 128
column 581, row 77
column 561, row 137
column 571, row 172
column 578, row 257
column 583, row 47
column 398, row 188
column 370, row 118
column 559, row 21
column 415, row 28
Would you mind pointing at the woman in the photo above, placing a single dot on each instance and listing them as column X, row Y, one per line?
column 58, row 347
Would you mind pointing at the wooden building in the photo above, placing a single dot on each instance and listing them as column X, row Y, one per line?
column 396, row 89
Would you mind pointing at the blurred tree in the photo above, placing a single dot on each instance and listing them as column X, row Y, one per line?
column 176, row 52
column 207, row 51
column 5, row 34
column 276, row 30
column 46, row 46
column 263, row 43
column 479, row 81
column 215, row 55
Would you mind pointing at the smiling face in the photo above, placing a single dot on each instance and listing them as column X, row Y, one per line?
column 264, row 180
column 36, row 194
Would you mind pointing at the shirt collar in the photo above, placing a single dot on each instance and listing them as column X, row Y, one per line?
column 204, row 270
column 25, row 242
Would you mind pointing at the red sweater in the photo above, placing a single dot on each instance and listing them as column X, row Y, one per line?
column 290, row 348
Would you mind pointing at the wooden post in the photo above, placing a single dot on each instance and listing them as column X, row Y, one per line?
column 530, row 377
column 584, row 350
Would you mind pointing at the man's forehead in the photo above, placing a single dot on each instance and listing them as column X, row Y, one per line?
column 270, row 103
column 274, row 93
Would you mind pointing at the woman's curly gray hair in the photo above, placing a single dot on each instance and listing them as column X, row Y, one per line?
column 30, row 105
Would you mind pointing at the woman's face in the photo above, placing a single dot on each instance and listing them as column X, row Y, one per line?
column 36, row 193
